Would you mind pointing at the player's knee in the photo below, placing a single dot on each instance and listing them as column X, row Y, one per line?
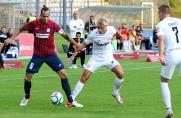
column 163, row 79
column 62, row 74
column 28, row 76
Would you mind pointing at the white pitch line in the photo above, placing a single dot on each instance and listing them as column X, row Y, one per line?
column 43, row 76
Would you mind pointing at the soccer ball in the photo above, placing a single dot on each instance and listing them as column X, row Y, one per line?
column 56, row 98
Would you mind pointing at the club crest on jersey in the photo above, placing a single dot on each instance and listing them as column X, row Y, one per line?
column 48, row 29
column 157, row 29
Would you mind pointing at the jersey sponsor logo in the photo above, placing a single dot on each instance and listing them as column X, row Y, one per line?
column 43, row 36
column 99, row 43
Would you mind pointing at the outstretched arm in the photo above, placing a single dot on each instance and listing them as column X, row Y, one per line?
column 11, row 40
column 65, row 36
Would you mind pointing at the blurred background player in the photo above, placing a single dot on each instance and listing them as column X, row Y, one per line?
column 4, row 34
column 90, row 25
column 30, row 19
column 102, row 55
column 44, row 52
column 123, row 30
column 76, row 25
column 169, row 38
column 72, row 50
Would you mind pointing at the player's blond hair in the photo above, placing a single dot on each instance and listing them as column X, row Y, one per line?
column 102, row 21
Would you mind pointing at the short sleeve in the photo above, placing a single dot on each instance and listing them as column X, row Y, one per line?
column 159, row 30
column 56, row 27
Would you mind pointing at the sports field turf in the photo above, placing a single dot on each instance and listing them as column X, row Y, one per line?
column 140, row 91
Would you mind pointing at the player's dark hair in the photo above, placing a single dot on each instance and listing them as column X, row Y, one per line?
column 78, row 33
column 164, row 9
column 45, row 8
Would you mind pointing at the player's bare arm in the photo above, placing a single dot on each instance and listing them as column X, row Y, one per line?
column 65, row 36
column 82, row 48
column 12, row 39
column 161, row 50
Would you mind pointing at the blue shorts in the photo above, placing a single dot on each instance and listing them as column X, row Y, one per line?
column 53, row 61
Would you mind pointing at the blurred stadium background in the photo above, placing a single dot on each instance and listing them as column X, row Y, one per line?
column 13, row 13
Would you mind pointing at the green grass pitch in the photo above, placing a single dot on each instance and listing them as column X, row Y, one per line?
column 140, row 91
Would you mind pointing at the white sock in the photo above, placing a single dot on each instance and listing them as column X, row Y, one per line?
column 117, row 84
column 166, row 94
column 78, row 88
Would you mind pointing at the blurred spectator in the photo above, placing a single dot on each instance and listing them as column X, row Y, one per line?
column 139, row 34
column 4, row 34
column 141, row 26
column 123, row 30
column 30, row 19
column 90, row 25
column 132, row 37
column 72, row 50
column 119, row 43
column 155, row 36
column 76, row 25
column 147, row 39
column 114, row 43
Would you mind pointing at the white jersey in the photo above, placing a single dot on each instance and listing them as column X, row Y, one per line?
column 170, row 29
column 76, row 26
column 102, row 48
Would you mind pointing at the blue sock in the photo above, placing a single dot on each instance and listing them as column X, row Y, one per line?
column 66, row 88
column 27, row 87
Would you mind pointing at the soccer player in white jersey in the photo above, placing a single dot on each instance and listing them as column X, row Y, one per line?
column 169, row 35
column 102, row 56
column 76, row 25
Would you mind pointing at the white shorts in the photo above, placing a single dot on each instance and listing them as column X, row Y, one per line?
column 173, row 60
column 94, row 64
